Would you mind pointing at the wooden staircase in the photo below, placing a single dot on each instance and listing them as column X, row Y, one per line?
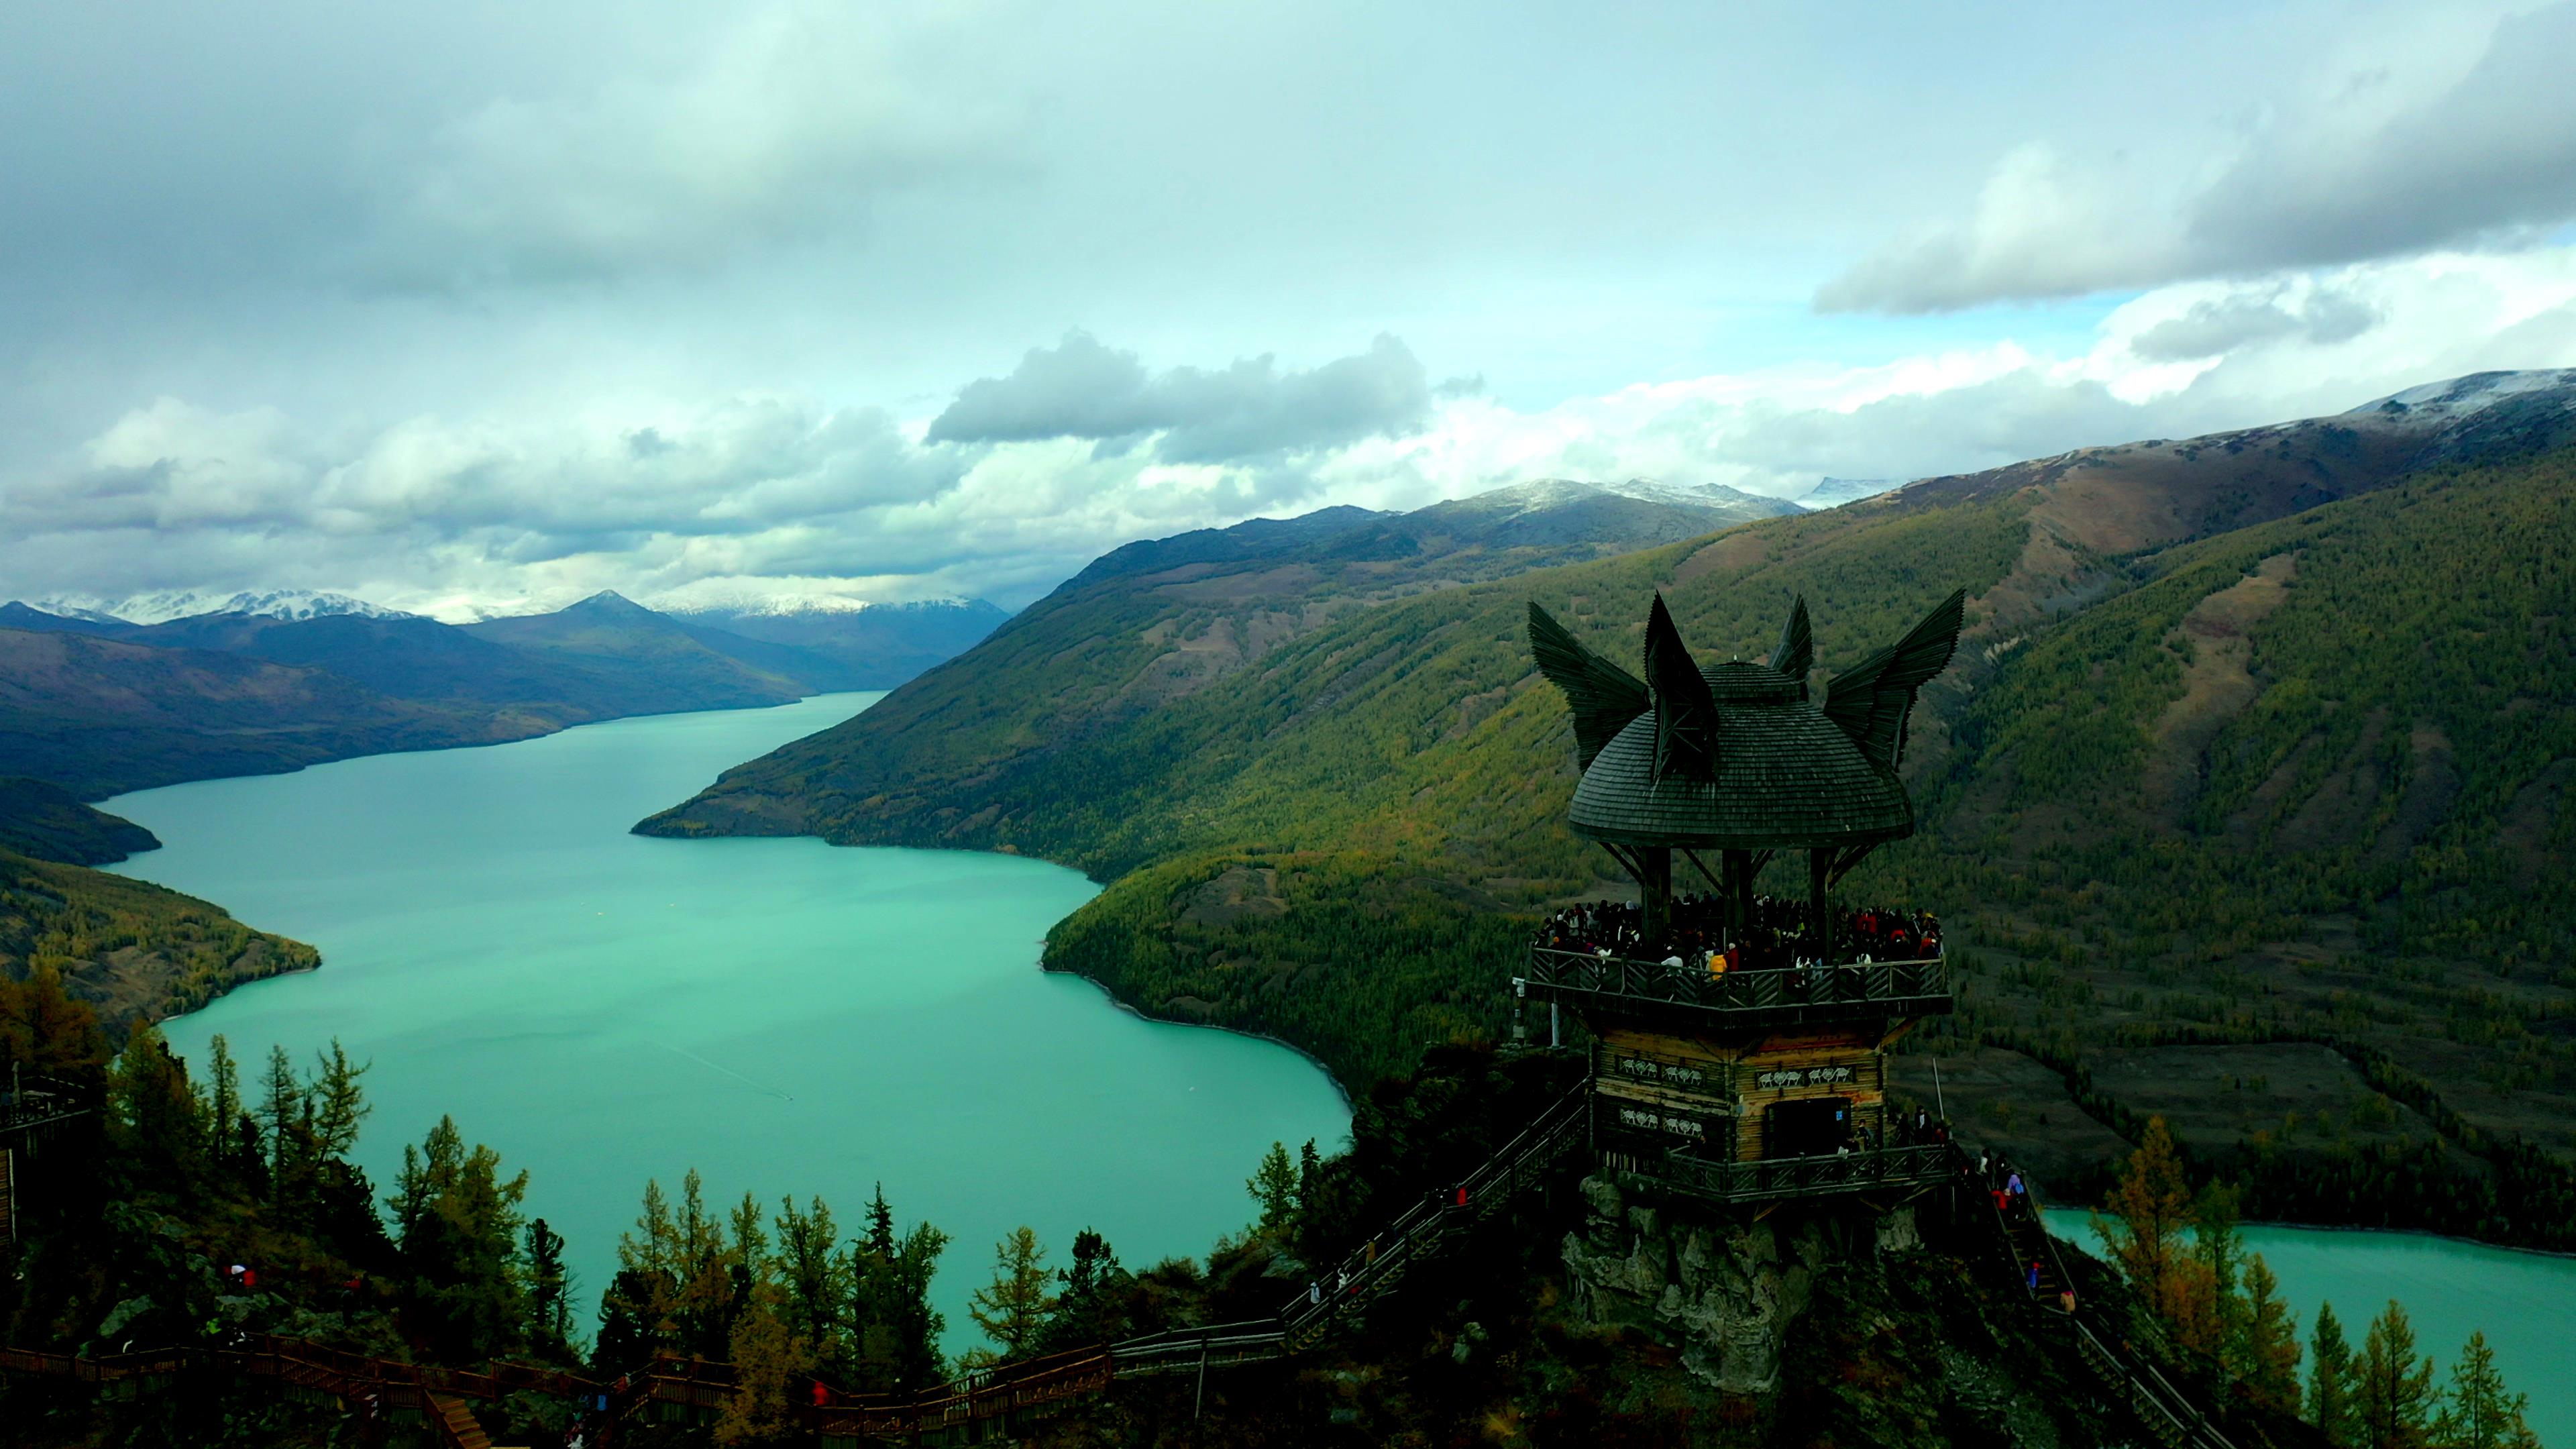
column 455, row 1424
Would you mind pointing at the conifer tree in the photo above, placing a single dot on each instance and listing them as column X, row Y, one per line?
column 2394, row 1400
column 2479, row 1413
column 2331, row 1386
column 285, row 1115
column 1086, row 1311
column 2150, row 1206
column 814, row 1293
column 2267, row 1343
column 159, row 1121
column 550, row 1289
column 457, row 1227
column 338, row 1103
column 1012, row 1309
column 895, row 1331
column 1273, row 1186
column 223, row 1103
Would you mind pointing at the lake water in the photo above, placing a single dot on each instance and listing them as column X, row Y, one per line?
column 2525, row 1303
column 782, row 1015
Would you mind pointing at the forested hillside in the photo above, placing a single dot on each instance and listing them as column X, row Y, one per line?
column 1157, row 621
column 2246, row 809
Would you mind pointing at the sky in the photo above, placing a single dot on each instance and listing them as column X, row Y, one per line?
column 477, row 307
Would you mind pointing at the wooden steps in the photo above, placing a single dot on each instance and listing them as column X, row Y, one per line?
column 455, row 1424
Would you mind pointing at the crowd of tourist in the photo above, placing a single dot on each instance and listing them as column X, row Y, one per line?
column 1778, row 938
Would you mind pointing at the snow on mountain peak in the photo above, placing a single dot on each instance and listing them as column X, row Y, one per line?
column 164, row 605
column 2458, row 397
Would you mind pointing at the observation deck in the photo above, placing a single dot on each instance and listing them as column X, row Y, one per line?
column 1813, row 994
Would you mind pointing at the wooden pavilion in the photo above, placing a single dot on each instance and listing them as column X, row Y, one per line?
column 1739, row 1041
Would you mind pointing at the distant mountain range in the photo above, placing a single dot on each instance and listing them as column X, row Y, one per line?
column 100, row 702
column 2257, row 755
column 1156, row 621
column 165, row 605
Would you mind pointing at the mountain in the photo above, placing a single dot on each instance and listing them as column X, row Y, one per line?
column 1835, row 492
column 2246, row 800
column 1553, row 512
column 830, row 645
column 47, row 822
column 656, row 660
column 1156, row 621
column 102, row 716
column 165, row 605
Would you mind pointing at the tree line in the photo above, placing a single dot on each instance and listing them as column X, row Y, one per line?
column 2201, row 1290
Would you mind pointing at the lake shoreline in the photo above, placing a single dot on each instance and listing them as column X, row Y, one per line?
column 1142, row 1015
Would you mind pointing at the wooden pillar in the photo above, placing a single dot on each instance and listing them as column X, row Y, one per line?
column 1738, row 873
column 1820, row 918
column 1655, row 890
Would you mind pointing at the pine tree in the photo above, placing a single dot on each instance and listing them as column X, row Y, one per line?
column 895, row 1331
column 2331, row 1386
column 812, row 1281
column 2479, row 1412
column 457, row 1226
column 2395, row 1400
column 223, row 1103
column 2150, row 1206
column 706, row 1292
column 550, row 1289
column 159, row 1121
column 1086, row 1311
column 2266, row 1345
column 338, row 1103
column 282, row 1115
column 1012, row 1310
column 1273, row 1185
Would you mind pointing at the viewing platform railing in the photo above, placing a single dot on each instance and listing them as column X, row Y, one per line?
column 1782, row 994
column 1766, row 1179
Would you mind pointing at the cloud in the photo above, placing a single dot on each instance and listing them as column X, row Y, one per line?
column 1250, row 409
column 2217, row 326
column 1012, row 490
column 793, row 124
column 2356, row 173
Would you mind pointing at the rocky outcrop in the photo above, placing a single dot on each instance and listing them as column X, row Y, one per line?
column 1721, row 1288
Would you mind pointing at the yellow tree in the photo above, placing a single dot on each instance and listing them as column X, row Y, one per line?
column 2150, row 1207
column 1013, row 1309
column 2394, row 1403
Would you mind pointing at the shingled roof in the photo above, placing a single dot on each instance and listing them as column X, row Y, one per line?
column 1735, row 756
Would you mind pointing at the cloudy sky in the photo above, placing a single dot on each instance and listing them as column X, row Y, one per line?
column 493, row 305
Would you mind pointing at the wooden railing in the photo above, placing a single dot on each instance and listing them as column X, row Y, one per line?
column 1785, row 994
column 1769, row 1179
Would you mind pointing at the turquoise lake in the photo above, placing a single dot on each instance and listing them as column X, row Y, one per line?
column 2525, row 1303
column 782, row 1015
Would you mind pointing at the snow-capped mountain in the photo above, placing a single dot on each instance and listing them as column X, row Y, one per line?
column 1542, row 494
column 1835, row 492
column 162, row 606
column 2434, row 403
